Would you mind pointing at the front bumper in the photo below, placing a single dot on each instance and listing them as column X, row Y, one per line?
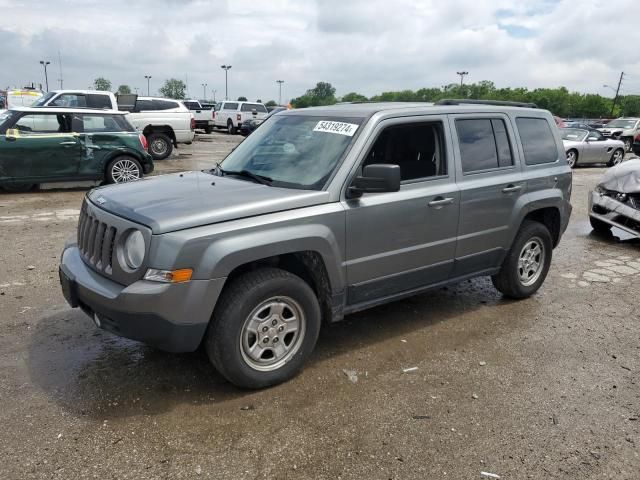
column 613, row 212
column 172, row 317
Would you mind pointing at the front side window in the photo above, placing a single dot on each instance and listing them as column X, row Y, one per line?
column 33, row 123
column 417, row 148
column 70, row 100
column 295, row 151
column 484, row 144
column 537, row 139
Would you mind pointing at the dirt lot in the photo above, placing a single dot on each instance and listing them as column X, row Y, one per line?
column 541, row 388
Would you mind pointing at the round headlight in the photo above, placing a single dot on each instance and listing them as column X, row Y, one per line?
column 134, row 250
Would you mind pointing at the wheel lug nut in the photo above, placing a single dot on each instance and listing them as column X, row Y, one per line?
column 274, row 322
column 275, row 339
column 281, row 329
column 265, row 340
column 264, row 329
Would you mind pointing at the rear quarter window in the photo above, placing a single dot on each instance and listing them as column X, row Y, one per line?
column 99, row 101
column 537, row 139
column 249, row 107
column 164, row 105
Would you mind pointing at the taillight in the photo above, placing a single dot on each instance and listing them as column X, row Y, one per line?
column 193, row 123
column 637, row 139
column 213, row 114
column 238, row 117
column 143, row 141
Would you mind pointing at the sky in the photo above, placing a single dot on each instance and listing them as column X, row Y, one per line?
column 366, row 46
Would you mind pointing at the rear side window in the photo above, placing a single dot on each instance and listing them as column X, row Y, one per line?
column 248, row 107
column 105, row 123
column 484, row 144
column 71, row 100
column 144, row 105
column 230, row 106
column 537, row 139
column 98, row 101
column 164, row 105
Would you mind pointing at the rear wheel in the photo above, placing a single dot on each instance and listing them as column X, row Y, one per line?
column 208, row 129
column 160, row 145
column 617, row 157
column 527, row 263
column 124, row 169
column 264, row 328
column 599, row 226
column 572, row 158
column 231, row 128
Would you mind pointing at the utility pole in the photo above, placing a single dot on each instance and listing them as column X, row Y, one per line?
column 204, row 90
column 615, row 99
column 462, row 74
column 280, row 82
column 148, row 77
column 46, row 78
column 226, row 69
column 60, row 68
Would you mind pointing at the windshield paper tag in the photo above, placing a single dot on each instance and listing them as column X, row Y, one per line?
column 340, row 128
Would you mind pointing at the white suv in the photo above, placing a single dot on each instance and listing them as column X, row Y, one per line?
column 230, row 115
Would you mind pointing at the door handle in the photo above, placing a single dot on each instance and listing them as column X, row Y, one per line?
column 440, row 201
column 68, row 143
column 511, row 188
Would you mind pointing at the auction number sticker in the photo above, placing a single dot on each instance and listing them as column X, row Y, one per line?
column 340, row 128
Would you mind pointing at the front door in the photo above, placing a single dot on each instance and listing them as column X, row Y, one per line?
column 40, row 147
column 403, row 241
column 491, row 183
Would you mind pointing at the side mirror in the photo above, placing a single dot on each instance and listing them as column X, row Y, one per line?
column 12, row 134
column 376, row 178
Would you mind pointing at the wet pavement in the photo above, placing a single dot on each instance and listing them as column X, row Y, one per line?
column 541, row 388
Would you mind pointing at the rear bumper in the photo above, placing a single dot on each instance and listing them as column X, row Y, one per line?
column 204, row 123
column 613, row 212
column 172, row 317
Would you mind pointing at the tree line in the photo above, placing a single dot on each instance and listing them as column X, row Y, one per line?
column 560, row 101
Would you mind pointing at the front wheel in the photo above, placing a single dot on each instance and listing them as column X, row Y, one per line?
column 527, row 263
column 124, row 169
column 616, row 158
column 264, row 328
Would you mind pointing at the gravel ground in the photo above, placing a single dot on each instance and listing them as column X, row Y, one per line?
column 541, row 388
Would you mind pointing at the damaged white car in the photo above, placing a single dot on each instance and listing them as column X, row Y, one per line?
column 616, row 200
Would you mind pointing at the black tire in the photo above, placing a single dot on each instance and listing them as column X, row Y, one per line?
column 123, row 169
column 231, row 128
column 17, row 187
column 599, row 226
column 160, row 145
column 628, row 143
column 572, row 158
column 224, row 337
column 616, row 160
column 508, row 280
column 208, row 129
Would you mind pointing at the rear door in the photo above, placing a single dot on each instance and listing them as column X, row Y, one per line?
column 489, row 176
column 405, row 240
column 41, row 146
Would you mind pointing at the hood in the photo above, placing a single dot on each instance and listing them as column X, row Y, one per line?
column 173, row 202
column 623, row 178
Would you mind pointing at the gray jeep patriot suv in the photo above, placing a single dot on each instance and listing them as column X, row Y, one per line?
column 319, row 213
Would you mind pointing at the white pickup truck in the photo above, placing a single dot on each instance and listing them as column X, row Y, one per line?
column 230, row 115
column 204, row 116
column 164, row 122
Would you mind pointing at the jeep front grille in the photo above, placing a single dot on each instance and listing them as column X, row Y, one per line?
column 96, row 241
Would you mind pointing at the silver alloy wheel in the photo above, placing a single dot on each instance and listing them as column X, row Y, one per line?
column 272, row 334
column 627, row 144
column 159, row 147
column 531, row 261
column 125, row 170
column 571, row 158
column 618, row 155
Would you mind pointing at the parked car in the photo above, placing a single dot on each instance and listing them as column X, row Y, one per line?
column 164, row 122
column 570, row 124
column 203, row 117
column 231, row 115
column 616, row 200
column 18, row 98
column 62, row 144
column 586, row 146
column 624, row 129
column 250, row 257
column 250, row 125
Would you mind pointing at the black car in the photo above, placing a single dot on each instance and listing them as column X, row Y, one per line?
column 250, row 125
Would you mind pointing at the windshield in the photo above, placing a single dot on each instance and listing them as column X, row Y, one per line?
column 573, row 134
column 295, row 151
column 43, row 100
column 5, row 119
column 621, row 124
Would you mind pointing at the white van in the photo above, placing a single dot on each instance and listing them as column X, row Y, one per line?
column 18, row 98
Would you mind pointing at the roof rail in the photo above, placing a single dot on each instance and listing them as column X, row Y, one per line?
column 502, row 103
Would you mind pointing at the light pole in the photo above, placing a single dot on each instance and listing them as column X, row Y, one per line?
column 204, row 90
column 280, row 82
column 214, row 95
column 462, row 74
column 46, row 78
column 148, row 77
column 136, row 89
column 226, row 69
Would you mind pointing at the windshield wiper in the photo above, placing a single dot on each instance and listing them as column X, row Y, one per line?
column 262, row 179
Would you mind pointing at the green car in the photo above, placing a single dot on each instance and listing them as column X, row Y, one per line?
column 62, row 144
